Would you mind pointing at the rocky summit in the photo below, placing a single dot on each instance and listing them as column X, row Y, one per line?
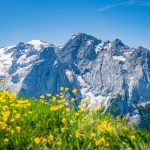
column 109, row 73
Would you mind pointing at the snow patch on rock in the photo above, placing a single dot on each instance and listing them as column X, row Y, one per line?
column 38, row 44
column 120, row 58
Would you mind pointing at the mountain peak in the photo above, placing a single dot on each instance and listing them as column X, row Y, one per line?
column 78, row 34
column 21, row 46
column 38, row 44
column 84, row 36
column 142, row 48
column 118, row 42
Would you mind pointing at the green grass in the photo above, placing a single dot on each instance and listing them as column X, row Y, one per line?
column 49, row 125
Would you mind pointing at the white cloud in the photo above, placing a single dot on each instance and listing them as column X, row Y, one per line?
column 126, row 3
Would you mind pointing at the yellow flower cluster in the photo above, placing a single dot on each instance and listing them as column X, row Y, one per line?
column 57, row 107
column 105, row 126
column 55, row 122
column 10, row 113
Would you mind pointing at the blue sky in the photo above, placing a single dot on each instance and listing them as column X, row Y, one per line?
column 56, row 20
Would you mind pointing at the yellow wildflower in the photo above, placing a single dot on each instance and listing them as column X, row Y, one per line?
column 72, row 100
column 81, row 110
column 76, row 114
column 49, row 95
column 92, row 136
column 12, row 131
column 66, row 89
column 59, row 143
column 61, row 96
column 62, row 88
column 62, row 130
column 37, row 140
column 6, row 140
column 132, row 137
column 54, row 108
column 98, row 108
column 3, row 125
column 53, row 99
column 2, row 81
column 80, row 107
column 90, row 109
column 105, row 126
column 14, row 111
column 17, row 116
column 74, row 91
column 109, row 129
column 51, row 137
column 100, row 141
column 46, row 103
column 67, row 109
column 124, row 128
column 89, row 102
column 41, row 101
column 64, row 120
column 42, row 97
column 18, row 129
column 4, row 107
column 44, row 140
column 77, row 133
column 29, row 112
column 28, row 104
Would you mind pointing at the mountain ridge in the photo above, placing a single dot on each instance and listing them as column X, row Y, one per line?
column 100, row 70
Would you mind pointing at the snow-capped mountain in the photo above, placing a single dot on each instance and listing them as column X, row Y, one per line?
column 109, row 73
column 17, row 61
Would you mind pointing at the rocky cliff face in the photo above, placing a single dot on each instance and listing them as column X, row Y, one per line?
column 110, row 74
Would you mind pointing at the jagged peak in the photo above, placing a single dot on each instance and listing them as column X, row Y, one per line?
column 21, row 46
column 84, row 36
column 118, row 42
column 38, row 44
column 141, row 48
column 78, row 34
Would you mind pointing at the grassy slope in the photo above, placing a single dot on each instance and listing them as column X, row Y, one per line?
column 30, row 124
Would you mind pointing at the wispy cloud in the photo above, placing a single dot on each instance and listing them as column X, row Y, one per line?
column 125, row 3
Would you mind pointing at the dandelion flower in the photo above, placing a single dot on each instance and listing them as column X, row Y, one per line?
column 66, row 89
column 77, row 133
column 42, row 97
column 59, row 143
column 51, row 137
column 49, row 95
column 63, row 130
column 64, row 120
column 72, row 100
column 37, row 140
column 17, row 116
column 53, row 99
column 44, row 140
column 92, row 136
column 6, row 140
column 18, row 129
column 98, row 108
column 62, row 88
column 132, row 137
column 74, row 91
column 100, row 141
column 67, row 110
